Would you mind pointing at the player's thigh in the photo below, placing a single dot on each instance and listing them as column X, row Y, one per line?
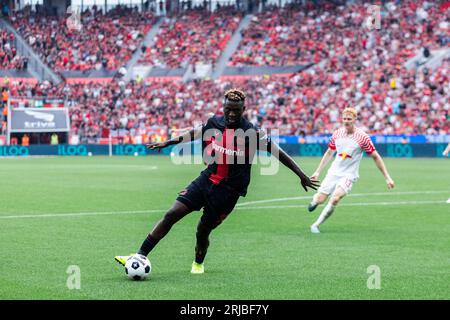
column 177, row 211
column 220, row 203
column 328, row 185
column 193, row 195
column 337, row 195
column 343, row 188
column 346, row 184
column 180, row 208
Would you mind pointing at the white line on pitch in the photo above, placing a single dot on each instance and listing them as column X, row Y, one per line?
column 79, row 214
column 355, row 204
column 350, row 195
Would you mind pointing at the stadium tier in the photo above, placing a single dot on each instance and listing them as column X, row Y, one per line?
column 9, row 57
column 192, row 37
column 104, row 42
column 344, row 63
column 306, row 103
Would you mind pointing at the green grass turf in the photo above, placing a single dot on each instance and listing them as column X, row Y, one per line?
column 257, row 253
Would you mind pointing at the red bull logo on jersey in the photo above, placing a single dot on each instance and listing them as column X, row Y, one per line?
column 344, row 155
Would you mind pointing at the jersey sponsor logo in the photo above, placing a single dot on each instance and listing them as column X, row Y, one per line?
column 344, row 155
column 227, row 151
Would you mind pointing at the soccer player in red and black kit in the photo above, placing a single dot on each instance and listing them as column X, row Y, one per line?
column 229, row 154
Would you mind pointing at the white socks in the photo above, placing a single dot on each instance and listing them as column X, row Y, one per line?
column 326, row 213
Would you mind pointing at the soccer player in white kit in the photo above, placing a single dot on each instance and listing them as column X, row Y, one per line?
column 349, row 142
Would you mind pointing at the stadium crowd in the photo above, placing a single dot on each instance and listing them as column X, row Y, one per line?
column 354, row 67
column 103, row 42
column 305, row 103
column 300, row 34
column 193, row 36
column 275, row 38
column 9, row 58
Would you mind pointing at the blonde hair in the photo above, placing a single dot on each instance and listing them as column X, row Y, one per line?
column 352, row 111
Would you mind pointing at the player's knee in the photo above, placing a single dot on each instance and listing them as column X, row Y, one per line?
column 335, row 199
column 321, row 198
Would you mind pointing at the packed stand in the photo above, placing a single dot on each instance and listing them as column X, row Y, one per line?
column 276, row 38
column 306, row 103
column 194, row 36
column 310, row 102
column 9, row 57
column 102, row 42
column 298, row 34
column 363, row 70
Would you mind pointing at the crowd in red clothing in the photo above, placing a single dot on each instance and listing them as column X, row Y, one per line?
column 194, row 36
column 103, row 42
column 309, row 102
column 9, row 58
column 276, row 38
column 299, row 34
column 364, row 69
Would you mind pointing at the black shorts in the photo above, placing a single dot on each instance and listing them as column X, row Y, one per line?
column 217, row 200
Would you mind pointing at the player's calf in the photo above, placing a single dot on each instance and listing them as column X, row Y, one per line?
column 318, row 199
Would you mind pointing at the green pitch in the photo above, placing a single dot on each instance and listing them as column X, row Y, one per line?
column 61, row 212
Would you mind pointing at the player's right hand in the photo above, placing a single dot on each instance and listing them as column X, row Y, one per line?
column 315, row 175
column 390, row 183
column 157, row 145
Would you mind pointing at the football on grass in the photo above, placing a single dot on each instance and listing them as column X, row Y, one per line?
column 138, row 267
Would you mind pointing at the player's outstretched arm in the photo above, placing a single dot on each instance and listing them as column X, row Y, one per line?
column 291, row 164
column 192, row 135
column 380, row 164
column 327, row 156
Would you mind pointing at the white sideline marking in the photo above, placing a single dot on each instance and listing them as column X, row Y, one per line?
column 79, row 214
column 350, row 195
column 355, row 204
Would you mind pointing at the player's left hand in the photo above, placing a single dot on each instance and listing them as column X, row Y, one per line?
column 156, row 145
column 313, row 183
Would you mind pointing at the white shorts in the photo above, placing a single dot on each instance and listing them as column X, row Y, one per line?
column 330, row 183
